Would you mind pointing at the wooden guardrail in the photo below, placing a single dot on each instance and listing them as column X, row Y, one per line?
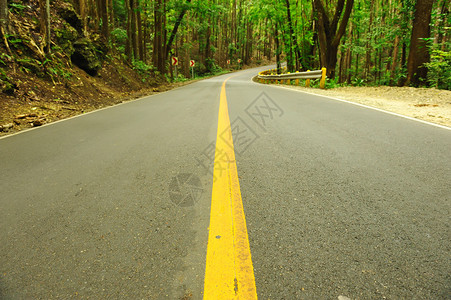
column 269, row 76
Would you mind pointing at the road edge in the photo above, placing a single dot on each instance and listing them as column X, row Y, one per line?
column 106, row 107
column 355, row 103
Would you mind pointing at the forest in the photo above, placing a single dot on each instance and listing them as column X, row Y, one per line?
column 360, row 42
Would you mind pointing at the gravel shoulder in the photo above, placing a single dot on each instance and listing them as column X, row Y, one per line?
column 428, row 104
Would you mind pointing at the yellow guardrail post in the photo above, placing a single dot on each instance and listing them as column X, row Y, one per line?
column 322, row 83
column 296, row 81
column 307, row 81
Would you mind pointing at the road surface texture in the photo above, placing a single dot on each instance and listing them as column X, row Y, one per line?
column 339, row 200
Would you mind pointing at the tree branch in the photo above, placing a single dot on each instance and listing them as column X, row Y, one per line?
column 338, row 11
column 323, row 18
column 343, row 23
column 176, row 27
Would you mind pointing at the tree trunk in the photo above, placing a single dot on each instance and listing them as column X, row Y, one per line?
column 44, row 7
column 348, row 65
column 140, row 33
column 441, row 34
column 276, row 36
column 159, row 36
column 356, row 70
column 134, row 37
column 234, row 26
column 111, row 13
column 348, row 59
column 294, row 47
column 248, row 52
column 207, row 51
column 145, row 31
column 330, row 32
column 176, row 27
column 368, row 41
column 128, row 43
column 4, row 24
column 103, row 9
column 4, row 18
column 419, row 52
column 341, row 67
column 47, row 21
column 81, row 10
column 395, row 58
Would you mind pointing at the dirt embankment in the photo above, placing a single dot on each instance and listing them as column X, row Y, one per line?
column 36, row 102
column 80, row 73
column 428, row 104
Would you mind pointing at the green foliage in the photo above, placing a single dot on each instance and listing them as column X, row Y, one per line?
column 16, row 8
column 119, row 35
column 29, row 65
column 5, row 58
column 181, row 78
column 66, row 35
column 143, row 69
column 3, row 75
column 120, row 11
column 119, row 39
column 214, row 31
column 332, row 83
column 358, row 82
column 13, row 40
column 6, row 85
column 57, row 70
column 211, row 66
column 439, row 69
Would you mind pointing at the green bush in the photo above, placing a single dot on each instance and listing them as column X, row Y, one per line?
column 143, row 69
column 119, row 36
column 332, row 83
column 211, row 66
column 357, row 82
column 439, row 69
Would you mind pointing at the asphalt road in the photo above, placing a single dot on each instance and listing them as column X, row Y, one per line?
column 339, row 200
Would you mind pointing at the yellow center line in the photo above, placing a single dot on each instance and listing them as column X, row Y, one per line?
column 229, row 273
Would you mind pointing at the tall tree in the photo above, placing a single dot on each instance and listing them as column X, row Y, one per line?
column 103, row 10
column 139, row 26
column 159, row 35
column 44, row 7
column 369, row 40
column 277, row 46
column 176, row 27
column 331, row 31
column 80, row 5
column 293, row 39
column 419, row 52
column 134, row 28
column 128, row 42
column 4, row 22
column 4, row 14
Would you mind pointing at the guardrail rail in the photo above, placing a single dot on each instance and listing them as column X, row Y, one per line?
column 269, row 76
